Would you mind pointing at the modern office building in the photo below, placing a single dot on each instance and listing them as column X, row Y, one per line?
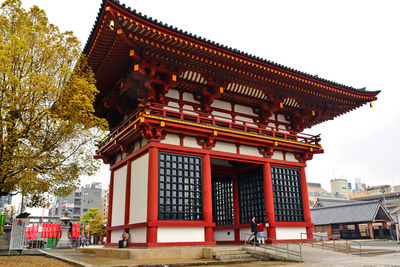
column 79, row 202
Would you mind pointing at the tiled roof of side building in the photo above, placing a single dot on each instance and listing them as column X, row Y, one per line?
column 359, row 212
column 209, row 42
column 336, row 202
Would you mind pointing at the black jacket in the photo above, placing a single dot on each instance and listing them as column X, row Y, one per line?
column 253, row 225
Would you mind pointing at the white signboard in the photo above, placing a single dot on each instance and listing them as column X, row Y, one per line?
column 18, row 233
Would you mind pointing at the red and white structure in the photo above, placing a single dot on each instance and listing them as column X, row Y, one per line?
column 203, row 137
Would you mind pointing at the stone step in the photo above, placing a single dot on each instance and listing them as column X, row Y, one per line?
column 229, row 252
column 231, row 257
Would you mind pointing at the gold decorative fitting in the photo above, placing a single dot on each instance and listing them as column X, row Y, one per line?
column 136, row 67
column 281, row 105
column 313, row 113
column 275, row 143
column 162, row 123
column 119, row 31
column 215, row 133
column 174, row 78
column 131, row 53
column 141, row 119
column 221, row 90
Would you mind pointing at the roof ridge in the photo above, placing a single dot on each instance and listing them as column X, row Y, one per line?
column 349, row 204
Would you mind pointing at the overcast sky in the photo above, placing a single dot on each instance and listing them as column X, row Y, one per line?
column 355, row 43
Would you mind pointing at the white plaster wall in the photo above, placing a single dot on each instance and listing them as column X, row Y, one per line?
column 189, row 97
column 222, row 116
column 171, row 139
column 225, row 147
column 222, row 235
column 139, row 182
column 249, row 150
column 243, row 119
column 138, row 235
column 281, row 118
column 282, row 129
column 245, row 110
column 118, row 205
column 244, row 233
column 173, row 106
column 144, row 142
column 222, row 105
column 291, row 157
column 277, row 155
column 180, row 234
column 136, row 146
column 187, row 109
column 173, row 93
column 116, row 235
column 289, row 232
column 190, row 142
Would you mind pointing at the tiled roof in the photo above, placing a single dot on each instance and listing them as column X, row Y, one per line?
column 334, row 202
column 209, row 42
column 359, row 212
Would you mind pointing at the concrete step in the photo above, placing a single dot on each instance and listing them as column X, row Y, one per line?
column 229, row 252
column 232, row 257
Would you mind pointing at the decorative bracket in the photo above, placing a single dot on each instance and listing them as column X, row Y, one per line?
column 266, row 151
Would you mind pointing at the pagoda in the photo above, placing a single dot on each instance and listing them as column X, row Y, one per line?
column 203, row 137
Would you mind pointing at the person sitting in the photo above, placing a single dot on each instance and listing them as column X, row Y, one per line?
column 125, row 239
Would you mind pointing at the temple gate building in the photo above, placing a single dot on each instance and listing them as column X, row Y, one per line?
column 202, row 136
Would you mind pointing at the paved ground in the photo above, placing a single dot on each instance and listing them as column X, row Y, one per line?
column 30, row 261
column 382, row 253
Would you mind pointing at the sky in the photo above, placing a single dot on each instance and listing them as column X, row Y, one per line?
column 356, row 43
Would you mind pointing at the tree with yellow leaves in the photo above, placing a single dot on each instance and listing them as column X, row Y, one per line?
column 48, row 128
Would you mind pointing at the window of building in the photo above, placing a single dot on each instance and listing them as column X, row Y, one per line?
column 251, row 195
column 288, row 201
column 86, row 193
column 84, row 210
column 77, row 210
column 78, row 194
column 77, row 202
column 180, row 187
column 97, row 194
column 223, row 201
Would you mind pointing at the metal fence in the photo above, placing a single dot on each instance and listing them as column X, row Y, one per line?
column 290, row 250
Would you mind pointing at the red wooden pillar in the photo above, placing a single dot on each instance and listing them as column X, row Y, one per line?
column 236, row 215
column 128, row 193
column 207, row 199
column 110, row 203
column 269, row 200
column 306, row 202
column 152, row 197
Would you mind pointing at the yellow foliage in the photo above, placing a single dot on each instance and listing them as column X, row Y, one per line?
column 48, row 128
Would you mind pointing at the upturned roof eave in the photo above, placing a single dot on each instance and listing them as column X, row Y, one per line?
column 207, row 42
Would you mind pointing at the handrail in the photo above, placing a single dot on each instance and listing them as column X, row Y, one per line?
column 214, row 120
column 279, row 250
column 336, row 246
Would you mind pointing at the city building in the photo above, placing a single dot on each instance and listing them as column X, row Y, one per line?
column 340, row 187
column 5, row 200
column 315, row 192
column 203, row 137
column 104, row 204
column 79, row 201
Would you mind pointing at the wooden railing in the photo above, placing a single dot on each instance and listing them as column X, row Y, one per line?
column 208, row 119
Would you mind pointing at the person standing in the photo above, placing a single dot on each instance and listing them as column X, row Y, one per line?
column 260, row 229
column 254, row 231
